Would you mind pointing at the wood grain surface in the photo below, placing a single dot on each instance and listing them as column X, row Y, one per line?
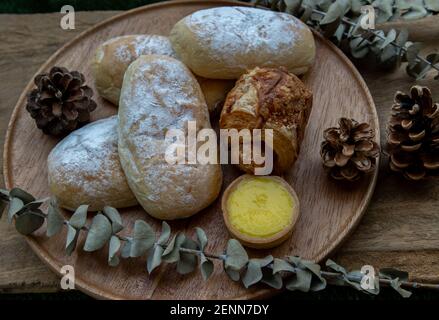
column 400, row 227
column 325, row 220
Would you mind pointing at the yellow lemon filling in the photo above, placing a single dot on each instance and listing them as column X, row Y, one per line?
column 260, row 207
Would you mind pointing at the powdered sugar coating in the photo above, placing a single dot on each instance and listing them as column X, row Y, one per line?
column 84, row 168
column 159, row 94
column 240, row 38
column 113, row 57
column 262, row 31
column 142, row 44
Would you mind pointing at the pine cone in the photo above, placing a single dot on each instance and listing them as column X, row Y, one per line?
column 413, row 134
column 349, row 151
column 61, row 102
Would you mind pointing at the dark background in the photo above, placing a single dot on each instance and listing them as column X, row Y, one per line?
column 331, row 293
column 40, row 6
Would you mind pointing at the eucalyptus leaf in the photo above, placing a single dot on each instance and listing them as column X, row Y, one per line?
column 401, row 40
column 253, row 274
column 329, row 29
column 343, row 274
column 357, row 30
column 33, row 205
column 396, row 276
column 336, row 11
column 154, row 258
column 339, row 20
column 357, row 4
column 71, row 239
column 201, row 238
column 418, row 69
column 4, row 194
column 99, row 233
column 433, row 58
column 339, row 32
column 22, row 195
column 29, row 222
column 282, row 6
column 391, row 36
column 402, row 37
column 206, row 266
column 272, row 280
column 187, row 262
column 79, row 217
column 383, row 10
column 317, row 281
column 274, row 4
column 236, row 256
column 388, row 58
column 143, row 239
column 414, row 12
column 306, row 14
column 263, row 262
column 172, row 251
column 396, row 284
column 115, row 218
column 55, row 220
column 432, row 5
column 293, row 6
column 391, row 273
column 233, row 274
column 300, row 281
column 113, row 248
column 166, row 233
column 126, row 249
column 323, row 4
column 359, row 47
column 280, row 265
column 336, row 267
column 15, row 206
column 412, row 52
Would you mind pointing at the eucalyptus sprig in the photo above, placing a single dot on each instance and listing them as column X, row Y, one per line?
column 339, row 20
column 292, row 273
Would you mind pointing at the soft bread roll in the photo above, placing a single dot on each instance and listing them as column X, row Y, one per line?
column 225, row 42
column 268, row 98
column 113, row 57
column 84, row 168
column 159, row 93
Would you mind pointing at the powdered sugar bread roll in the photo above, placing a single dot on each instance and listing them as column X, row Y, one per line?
column 225, row 42
column 113, row 57
column 84, row 168
column 159, row 93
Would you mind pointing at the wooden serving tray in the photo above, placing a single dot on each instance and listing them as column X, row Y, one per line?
column 330, row 211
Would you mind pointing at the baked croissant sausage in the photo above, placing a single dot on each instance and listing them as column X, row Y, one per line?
column 270, row 98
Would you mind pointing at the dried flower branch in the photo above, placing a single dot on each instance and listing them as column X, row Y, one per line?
column 293, row 273
column 339, row 20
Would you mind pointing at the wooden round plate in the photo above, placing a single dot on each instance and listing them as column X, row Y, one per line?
column 330, row 211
